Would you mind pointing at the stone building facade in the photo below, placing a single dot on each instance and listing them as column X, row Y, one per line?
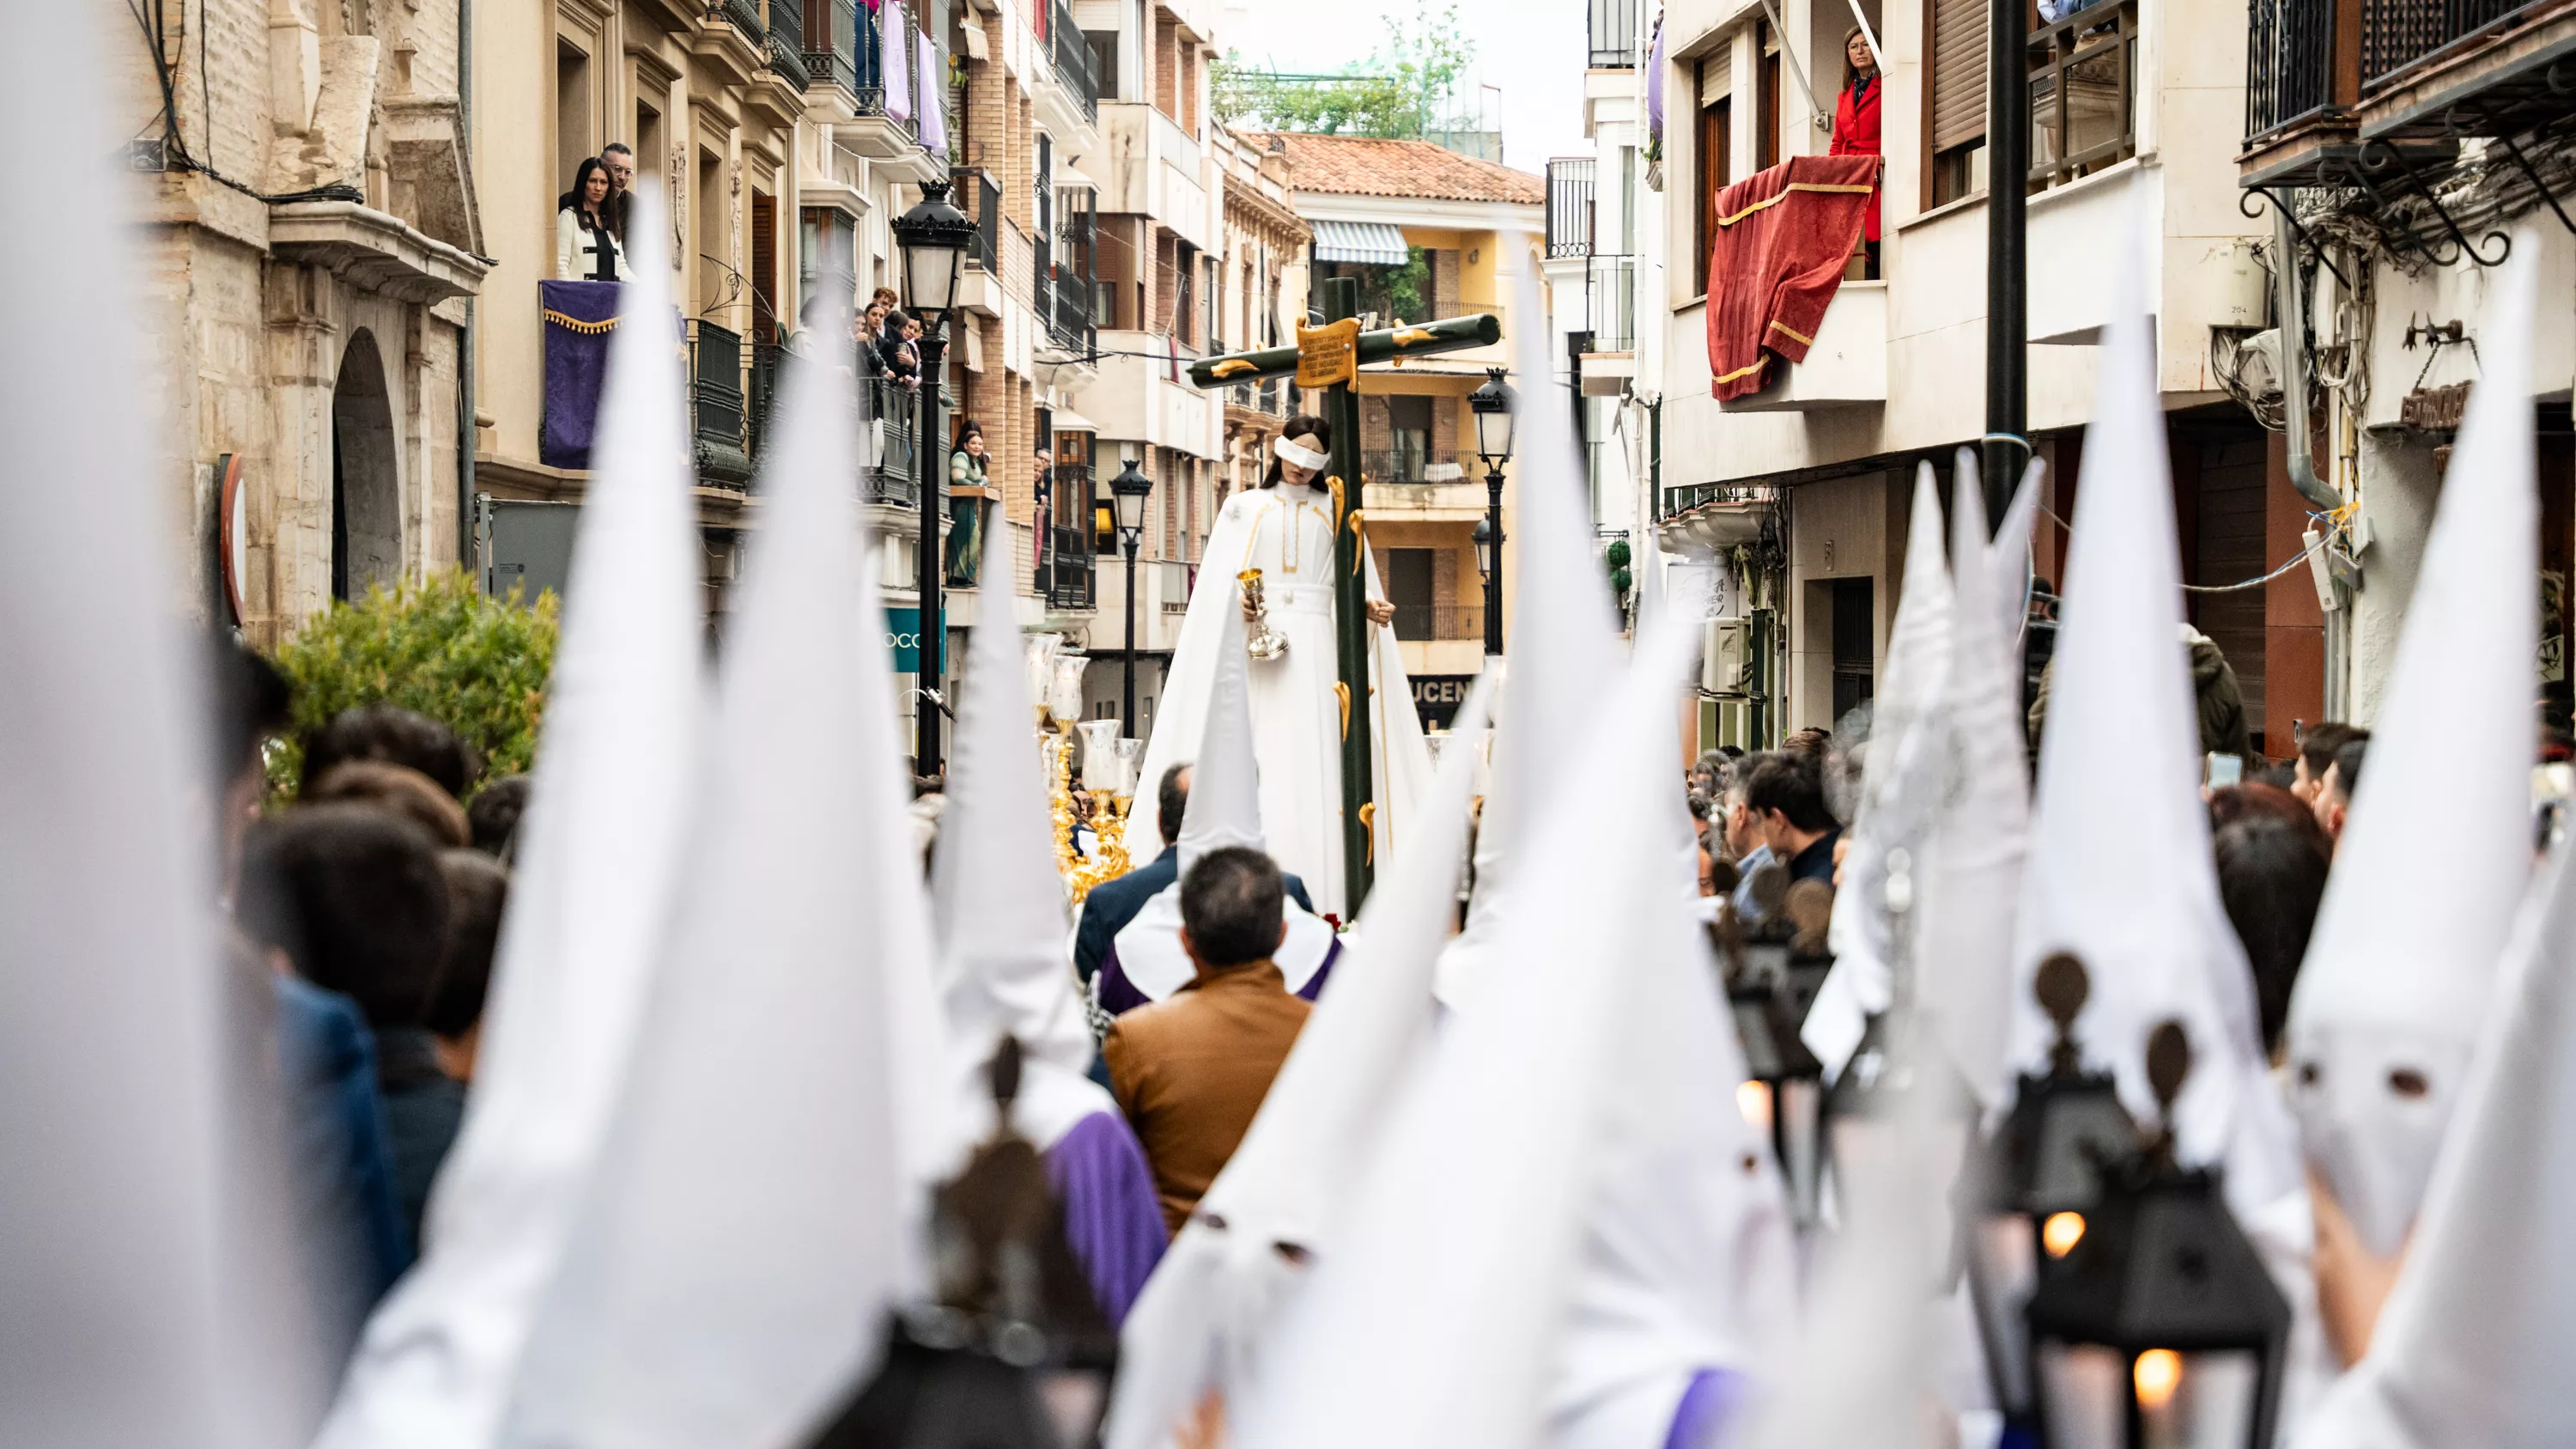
column 314, row 249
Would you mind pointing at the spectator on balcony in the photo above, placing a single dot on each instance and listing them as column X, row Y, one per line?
column 868, row 330
column 901, row 346
column 1856, row 125
column 619, row 158
column 966, row 482
column 586, row 248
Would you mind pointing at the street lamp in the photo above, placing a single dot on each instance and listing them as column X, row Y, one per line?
column 2161, row 1326
column 1129, row 490
column 2036, row 1187
column 1492, row 406
column 932, row 237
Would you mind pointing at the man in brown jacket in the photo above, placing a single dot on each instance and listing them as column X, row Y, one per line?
column 1191, row 1071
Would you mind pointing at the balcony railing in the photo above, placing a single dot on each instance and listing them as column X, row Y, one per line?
column 889, row 462
column 848, row 49
column 1569, row 207
column 718, row 412
column 2296, row 62
column 2397, row 35
column 1610, row 303
column 1614, row 34
column 787, row 41
column 2083, row 92
column 1073, row 59
column 1407, row 464
column 1439, row 621
column 982, row 202
column 1069, row 319
column 745, row 15
column 1269, row 396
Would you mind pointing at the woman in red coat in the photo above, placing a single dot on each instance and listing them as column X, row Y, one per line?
column 1856, row 123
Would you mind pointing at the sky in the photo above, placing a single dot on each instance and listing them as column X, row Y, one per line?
column 1532, row 50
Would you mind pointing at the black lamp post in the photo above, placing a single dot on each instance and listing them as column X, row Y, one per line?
column 2160, row 1326
column 1492, row 406
column 2035, row 1187
column 933, row 237
column 1128, row 491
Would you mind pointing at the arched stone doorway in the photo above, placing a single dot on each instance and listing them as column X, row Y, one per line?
column 366, row 477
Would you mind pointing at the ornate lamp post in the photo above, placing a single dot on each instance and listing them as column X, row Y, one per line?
column 2161, row 1325
column 1129, row 490
column 933, row 238
column 2033, row 1190
column 1492, row 406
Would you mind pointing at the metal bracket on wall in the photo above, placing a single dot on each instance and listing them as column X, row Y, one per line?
column 2537, row 184
column 2246, row 209
column 2377, row 159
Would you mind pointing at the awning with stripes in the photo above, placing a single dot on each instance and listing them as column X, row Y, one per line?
column 1375, row 243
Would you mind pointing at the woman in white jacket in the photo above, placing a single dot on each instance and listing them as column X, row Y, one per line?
column 586, row 247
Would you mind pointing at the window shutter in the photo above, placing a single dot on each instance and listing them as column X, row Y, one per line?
column 1958, row 72
column 1717, row 74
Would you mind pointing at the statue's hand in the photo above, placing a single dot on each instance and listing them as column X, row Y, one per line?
column 1381, row 612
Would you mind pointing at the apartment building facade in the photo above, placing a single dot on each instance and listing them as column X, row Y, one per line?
column 2397, row 155
column 1427, row 233
column 1801, row 489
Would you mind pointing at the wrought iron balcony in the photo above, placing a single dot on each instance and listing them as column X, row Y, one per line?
column 889, row 458
column 745, row 16
column 1073, row 59
column 1569, row 207
column 1404, row 464
column 2301, row 63
column 1610, row 303
column 718, row 413
column 2399, row 35
column 981, row 200
column 1613, row 29
column 1439, row 621
column 787, row 41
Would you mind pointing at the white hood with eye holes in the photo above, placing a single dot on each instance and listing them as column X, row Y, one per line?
column 2397, row 979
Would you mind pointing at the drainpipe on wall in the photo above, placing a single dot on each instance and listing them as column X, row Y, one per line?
column 2337, row 574
column 465, row 430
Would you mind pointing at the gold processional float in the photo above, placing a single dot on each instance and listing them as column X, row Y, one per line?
column 1109, row 765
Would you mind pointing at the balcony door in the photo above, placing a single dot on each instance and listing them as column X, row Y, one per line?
column 1409, row 437
column 1409, row 574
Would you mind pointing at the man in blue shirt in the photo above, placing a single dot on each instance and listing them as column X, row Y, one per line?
column 1786, row 794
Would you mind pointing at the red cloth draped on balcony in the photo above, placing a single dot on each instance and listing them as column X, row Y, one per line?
column 1782, row 239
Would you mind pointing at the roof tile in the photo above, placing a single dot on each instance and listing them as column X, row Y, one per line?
column 1366, row 166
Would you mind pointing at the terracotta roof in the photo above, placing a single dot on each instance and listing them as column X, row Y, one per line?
column 1362, row 166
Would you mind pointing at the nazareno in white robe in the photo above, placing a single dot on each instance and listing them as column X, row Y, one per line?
column 1287, row 533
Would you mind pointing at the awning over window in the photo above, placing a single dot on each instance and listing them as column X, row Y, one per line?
column 1373, row 242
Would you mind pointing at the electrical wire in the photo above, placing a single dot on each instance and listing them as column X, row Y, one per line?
column 2254, row 583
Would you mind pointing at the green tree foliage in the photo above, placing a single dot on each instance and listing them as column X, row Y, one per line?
column 444, row 648
column 1398, row 93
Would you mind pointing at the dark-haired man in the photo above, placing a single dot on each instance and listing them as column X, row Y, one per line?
column 1114, row 903
column 1190, row 1071
column 396, row 736
column 1786, row 793
column 2317, row 746
column 354, row 898
column 2334, row 791
column 619, row 158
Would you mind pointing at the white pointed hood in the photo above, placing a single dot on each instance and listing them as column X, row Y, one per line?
column 2397, row 976
column 1562, row 645
column 1225, row 779
column 1003, row 969
column 599, row 857
column 1900, row 784
column 2470, row 1351
column 1206, row 1311
column 120, row 1057
column 1971, row 891
column 1224, row 810
column 747, row 1230
column 2119, row 865
column 2008, row 553
column 1441, row 1313
column 1688, row 1259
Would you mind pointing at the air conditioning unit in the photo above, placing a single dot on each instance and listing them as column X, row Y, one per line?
column 1723, row 661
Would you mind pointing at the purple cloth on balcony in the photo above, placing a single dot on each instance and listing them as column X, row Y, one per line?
column 580, row 317
column 1655, row 83
column 1710, row 1405
column 934, row 120
column 898, row 62
column 1112, row 1219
